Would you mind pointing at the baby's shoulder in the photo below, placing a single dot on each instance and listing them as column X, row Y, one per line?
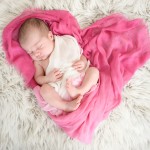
column 38, row 63
column 42, row 64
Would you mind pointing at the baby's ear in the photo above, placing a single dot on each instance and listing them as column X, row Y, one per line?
column 50, row 35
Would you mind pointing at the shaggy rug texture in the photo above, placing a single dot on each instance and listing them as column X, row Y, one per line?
column 24, row 126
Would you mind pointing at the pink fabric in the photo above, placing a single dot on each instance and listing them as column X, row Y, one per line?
column 114, row 44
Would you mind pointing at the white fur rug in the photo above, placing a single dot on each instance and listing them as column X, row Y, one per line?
column 24, row 126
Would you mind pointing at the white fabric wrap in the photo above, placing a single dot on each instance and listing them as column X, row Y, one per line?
column 65, row 52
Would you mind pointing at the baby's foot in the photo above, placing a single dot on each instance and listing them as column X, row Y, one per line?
column 73, row 91
column 73, row 105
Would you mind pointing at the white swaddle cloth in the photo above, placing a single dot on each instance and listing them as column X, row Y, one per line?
column 65, row 52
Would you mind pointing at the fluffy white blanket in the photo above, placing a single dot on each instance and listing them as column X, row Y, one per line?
column 25, row 126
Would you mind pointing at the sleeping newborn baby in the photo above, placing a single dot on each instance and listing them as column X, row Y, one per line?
column 61, row 69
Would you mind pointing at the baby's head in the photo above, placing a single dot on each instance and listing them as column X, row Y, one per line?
column 36, row 38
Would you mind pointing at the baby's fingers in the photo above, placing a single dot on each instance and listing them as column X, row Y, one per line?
column 55, row 70
column 76, row 63
column 58, row 74
column 79, row 67
column 59, row 77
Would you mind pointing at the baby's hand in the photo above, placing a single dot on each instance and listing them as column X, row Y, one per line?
column 79, row 65
column 55, row 75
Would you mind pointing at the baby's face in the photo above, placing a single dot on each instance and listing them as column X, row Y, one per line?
column 39, row 46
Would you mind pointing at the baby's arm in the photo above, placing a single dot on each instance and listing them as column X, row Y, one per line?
column 39, row 75
column 83, row 58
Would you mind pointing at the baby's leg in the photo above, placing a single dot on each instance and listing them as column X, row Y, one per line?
column 51, row 97
column 91, row 78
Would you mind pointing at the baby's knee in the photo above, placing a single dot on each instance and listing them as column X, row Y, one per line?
column 95, row 71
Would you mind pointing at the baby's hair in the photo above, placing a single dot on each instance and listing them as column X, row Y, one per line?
column 31, row 23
